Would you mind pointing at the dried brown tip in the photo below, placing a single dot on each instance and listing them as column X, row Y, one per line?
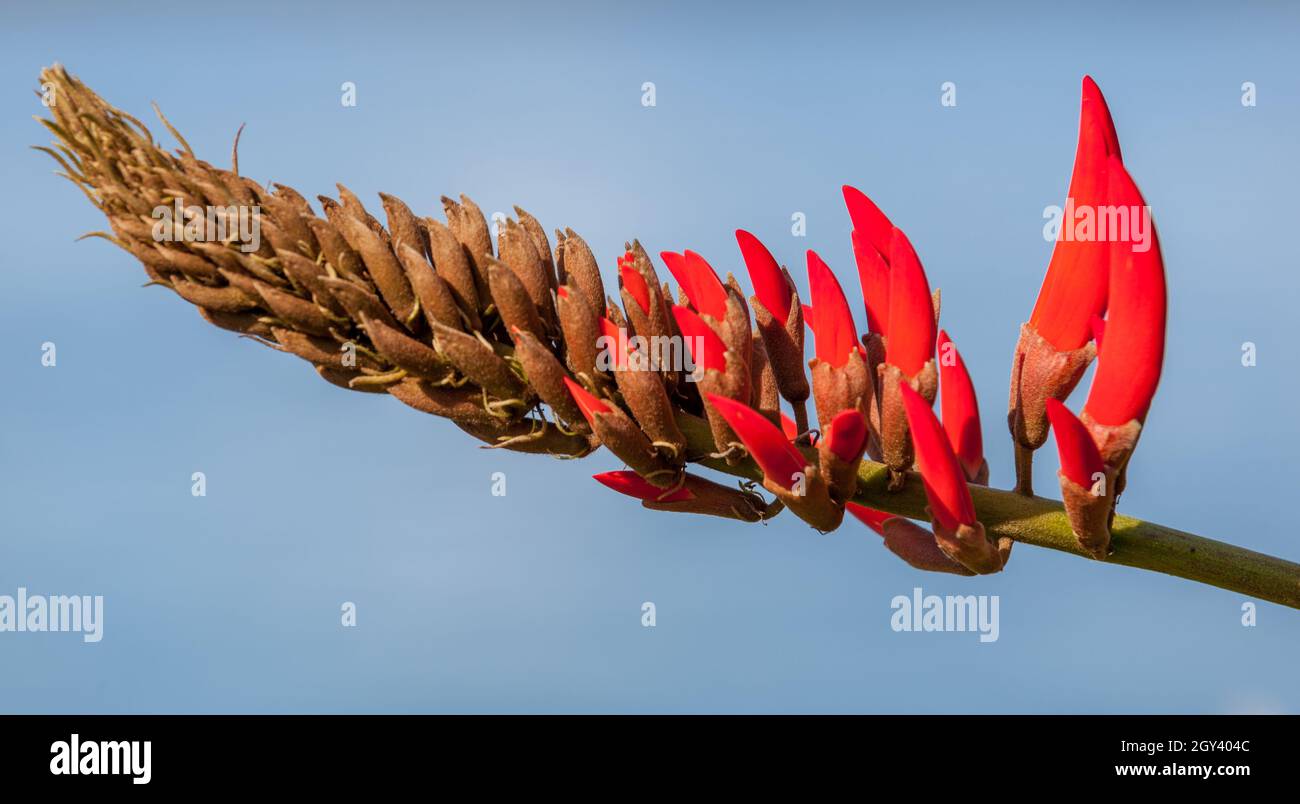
column 714, row 499
column 532, row 436
column 546, row 376
column 1090, row 512
column 382, row 266
column 578, row 268
column 895, row 436
column 643, row 390
column 784, row 342
column 620, row 434
column 406, row 352
column 477, row 361
column 810, row 500
column 434, row 295
column 515, row 249
column 513, row 301
column 1040, row 372
column 453, row 266
column 467, row 224
column 404, row 225
column 540, row 242
column 969, row 546
column 581, row 327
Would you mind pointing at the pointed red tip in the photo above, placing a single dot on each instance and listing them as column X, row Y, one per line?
column 617, row 350
column 867, row 218
column 777, row 457
column 706, row 348
column 834, row 335
column 945, row 484
column 910, row 342
column 847, row 436
column 869, row 516
column 1126, row 379
column 959, row 407
column 1094, row 106
column 1080, row 459
column 765, row 275
column 562, row 291
column 633, row 485
column 635, row 284
column 873, row 276
column 586, row 401
column 705, row 290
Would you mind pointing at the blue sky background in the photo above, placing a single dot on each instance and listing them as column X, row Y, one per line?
column 531, row 602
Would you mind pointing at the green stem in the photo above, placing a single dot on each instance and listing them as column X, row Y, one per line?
column 1043, row 523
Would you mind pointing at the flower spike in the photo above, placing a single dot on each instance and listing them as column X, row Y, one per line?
column 957, row 531
column 1086, row 483
column 961, row 413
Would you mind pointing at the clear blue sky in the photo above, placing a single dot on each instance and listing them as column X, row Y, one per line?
column 531, row 602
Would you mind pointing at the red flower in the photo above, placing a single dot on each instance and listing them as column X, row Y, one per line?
column 847, row 435
column 706, row 348
column 960, row 409
column 910, row 343
column 634, row 281
column 633, row 485
column 610, row 330
column 1075, row 286
column 1080, row 459
column 868, row 219
column 701, row 284
column 945, row 485
column 873, row 275
column 834, row 335
column 587, row 402
column 770, row 285
column 774, row 454
column 869, row 516
column 1129, row 368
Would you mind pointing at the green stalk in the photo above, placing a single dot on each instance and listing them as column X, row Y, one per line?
column 1043, row 523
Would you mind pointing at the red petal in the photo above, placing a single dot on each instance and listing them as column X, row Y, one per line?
column 960, row 409
column 869, row 516
column 706, row 348
column 832, row 324
column 1080, row 458
column 635, row 284
column 910, row 340
column 867, row 218
column 705, row 290
column 587, row 403
column 619, row 352
column 788, row 427
column 848, row 435
column 562, row 292
column 1126, row 379
column 677, row 267
column 1097, row 325
column 1074, row 288
column 945, row 485
column 765, row 275
column 873, row 275
column 776, row 456
column 633, row 485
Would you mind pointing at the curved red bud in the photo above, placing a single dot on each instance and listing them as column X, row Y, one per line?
column 705, row 290
column 869, row 516
column 1075, row 286
column 634, row 282
column 873, row 275
column 774, row 454
column 834, row 335
column 1080, row 459
column 945, row 485
column 586, row 401
column 847, row 435
column 618, row 352
column 910, row 339
column 867, row 218
column 633, row 485
column 765, row 275
column 706, row 348
column 959, row 407
column 1127, row 377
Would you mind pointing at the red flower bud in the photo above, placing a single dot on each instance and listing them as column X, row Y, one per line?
column 1075, row 286
column 873, row 276
column 1128, row 371
column 945, row 485
column 765, row 274
column 834, row 335
column 868, row 516
column 633, row 485
column 1080, row 459
column 706, row 348
column 847, row 435
column 697, row 278
column 587, row 402
column 868, row 219
column 634, row 282
column 910, row 338
column 779, row 459
column 960, row 409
